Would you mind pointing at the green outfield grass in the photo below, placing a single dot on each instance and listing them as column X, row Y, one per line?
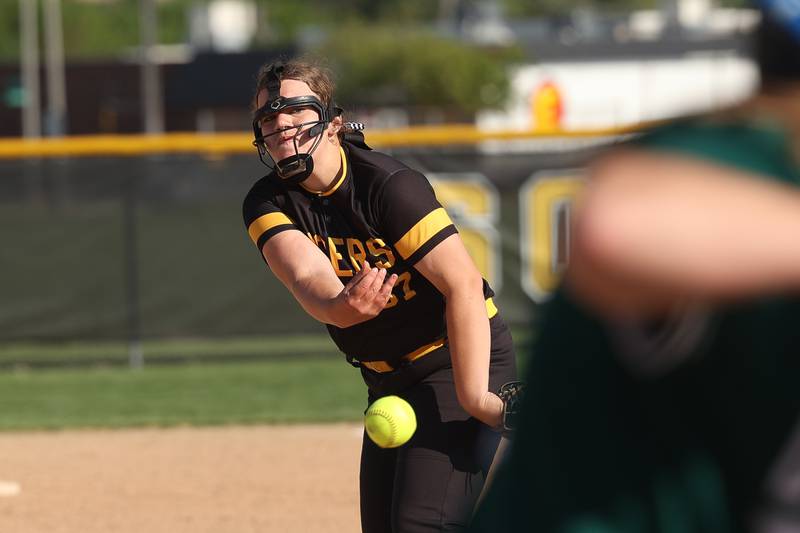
column 16, row 355
column 291, row 379
column 42, row 354
column 306, row 390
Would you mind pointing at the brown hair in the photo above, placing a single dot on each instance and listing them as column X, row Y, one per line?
column 313, row 73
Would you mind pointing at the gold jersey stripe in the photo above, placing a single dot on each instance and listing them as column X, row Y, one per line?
column 491, row 309
column 383, row 366
column 338, row 183
column 341, row 179
column 430, row 225
column 377, row 366
column 265, row 223
column 428, row 348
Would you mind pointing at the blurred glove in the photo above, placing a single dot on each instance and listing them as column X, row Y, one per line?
column 512, row 394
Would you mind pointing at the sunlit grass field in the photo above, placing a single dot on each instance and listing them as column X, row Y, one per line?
column 287, row 391
column 292, row 380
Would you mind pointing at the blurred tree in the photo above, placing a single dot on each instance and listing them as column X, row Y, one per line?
column 9, row 29
column 92, row 29
column 417, row 69
column 96, row 29
column 525, row 8
column 110, row 29
column 286, row 17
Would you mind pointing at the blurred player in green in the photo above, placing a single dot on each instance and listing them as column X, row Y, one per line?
column 664, row 390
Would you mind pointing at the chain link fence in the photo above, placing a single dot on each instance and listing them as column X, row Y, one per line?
column 125, row 249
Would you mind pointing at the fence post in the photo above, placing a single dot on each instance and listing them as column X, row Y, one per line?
column 131, row 268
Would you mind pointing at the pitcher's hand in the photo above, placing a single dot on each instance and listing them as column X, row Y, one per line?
column 366, row 294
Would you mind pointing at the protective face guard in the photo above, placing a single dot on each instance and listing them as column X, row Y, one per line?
column 296, row 168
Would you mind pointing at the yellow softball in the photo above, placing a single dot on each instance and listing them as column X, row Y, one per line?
column 390, row 421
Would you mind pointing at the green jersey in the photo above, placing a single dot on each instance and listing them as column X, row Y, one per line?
column 688, row 425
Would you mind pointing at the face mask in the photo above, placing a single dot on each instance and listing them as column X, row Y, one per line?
column 296, row 168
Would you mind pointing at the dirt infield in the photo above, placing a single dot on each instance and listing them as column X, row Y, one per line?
column 220, row 480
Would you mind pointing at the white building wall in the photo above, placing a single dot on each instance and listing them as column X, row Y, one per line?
column 622, row 92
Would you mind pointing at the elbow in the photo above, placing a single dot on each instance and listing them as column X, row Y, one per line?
column 469, row 403
column 470, row 282
column 470, row 400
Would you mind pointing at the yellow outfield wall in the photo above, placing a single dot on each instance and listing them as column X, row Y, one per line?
column 232, row 143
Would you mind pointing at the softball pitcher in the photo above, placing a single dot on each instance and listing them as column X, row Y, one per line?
column 364, row 246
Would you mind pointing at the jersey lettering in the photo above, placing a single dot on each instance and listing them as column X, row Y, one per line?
column 404, row 283
column 378, row 248
column 404, row 280
column 356, row 252
column 317, row 240
column 335, row 256
column 392, row 301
